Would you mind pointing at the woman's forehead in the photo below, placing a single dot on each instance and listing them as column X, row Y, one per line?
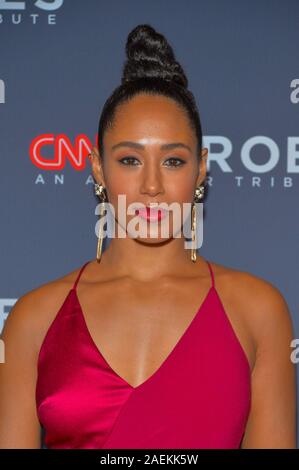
column 152, row 120
column 143, row 103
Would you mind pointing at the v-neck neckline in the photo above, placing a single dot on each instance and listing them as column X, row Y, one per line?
column 169, row 356
column 164, row 362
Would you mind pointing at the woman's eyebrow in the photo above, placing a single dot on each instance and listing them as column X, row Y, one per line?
column 135, row 145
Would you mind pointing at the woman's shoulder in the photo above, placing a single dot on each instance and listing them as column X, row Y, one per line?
column 260, row 301
column 48, row 293
column 246, row 282
column 34, row 311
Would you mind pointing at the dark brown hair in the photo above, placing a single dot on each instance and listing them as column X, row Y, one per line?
column 150, row 68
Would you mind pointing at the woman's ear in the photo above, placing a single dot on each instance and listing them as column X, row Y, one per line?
column 202, row 166
column 95, row 150
column 96, row 165
column 204, row 153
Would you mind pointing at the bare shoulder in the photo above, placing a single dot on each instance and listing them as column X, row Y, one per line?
column 22, row 335
column 260, row 312
column 260, row 302
column 34, row 311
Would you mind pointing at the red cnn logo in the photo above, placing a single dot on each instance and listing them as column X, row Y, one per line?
column 63, row 150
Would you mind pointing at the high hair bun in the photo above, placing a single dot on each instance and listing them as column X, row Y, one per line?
column 149, row 55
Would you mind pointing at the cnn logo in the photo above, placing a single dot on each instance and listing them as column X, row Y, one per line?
column 62, row 149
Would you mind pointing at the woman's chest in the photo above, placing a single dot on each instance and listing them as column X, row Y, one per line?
column 138, row 327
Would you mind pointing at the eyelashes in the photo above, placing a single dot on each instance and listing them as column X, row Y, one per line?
column 122, row 161
column 179, row 161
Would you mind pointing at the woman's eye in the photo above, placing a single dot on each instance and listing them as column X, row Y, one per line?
column 178, row 162
column 130, row 159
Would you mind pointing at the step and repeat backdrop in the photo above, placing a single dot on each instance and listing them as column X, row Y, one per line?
column 61, row 59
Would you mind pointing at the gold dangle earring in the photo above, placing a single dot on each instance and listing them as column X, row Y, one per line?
column 99, row 191
column 198, row 195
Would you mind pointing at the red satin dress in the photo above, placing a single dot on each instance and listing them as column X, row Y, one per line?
column 198, row 398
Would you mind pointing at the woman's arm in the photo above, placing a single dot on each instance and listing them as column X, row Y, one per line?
column 272, row 419
column 19, row 424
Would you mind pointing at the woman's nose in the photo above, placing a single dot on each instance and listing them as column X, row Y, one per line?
column 151, row 181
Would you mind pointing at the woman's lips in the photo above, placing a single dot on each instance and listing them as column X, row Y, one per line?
column 151, row 213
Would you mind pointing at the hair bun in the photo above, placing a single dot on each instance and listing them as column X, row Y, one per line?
column 149, row 55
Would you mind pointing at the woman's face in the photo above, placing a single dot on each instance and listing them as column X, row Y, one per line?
column 137, row 166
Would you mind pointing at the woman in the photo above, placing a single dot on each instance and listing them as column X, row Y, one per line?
column 149, row 345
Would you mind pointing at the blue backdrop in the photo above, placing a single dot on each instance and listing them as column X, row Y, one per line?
column 59, row 61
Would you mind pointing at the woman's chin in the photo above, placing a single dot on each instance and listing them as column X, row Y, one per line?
column 152, row 241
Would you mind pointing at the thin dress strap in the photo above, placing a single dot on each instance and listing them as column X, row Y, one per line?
column 79, row 275
column 212, row 274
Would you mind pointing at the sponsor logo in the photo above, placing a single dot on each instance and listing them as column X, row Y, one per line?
column 61, row 149
column 17, row 12
column 259, row 155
